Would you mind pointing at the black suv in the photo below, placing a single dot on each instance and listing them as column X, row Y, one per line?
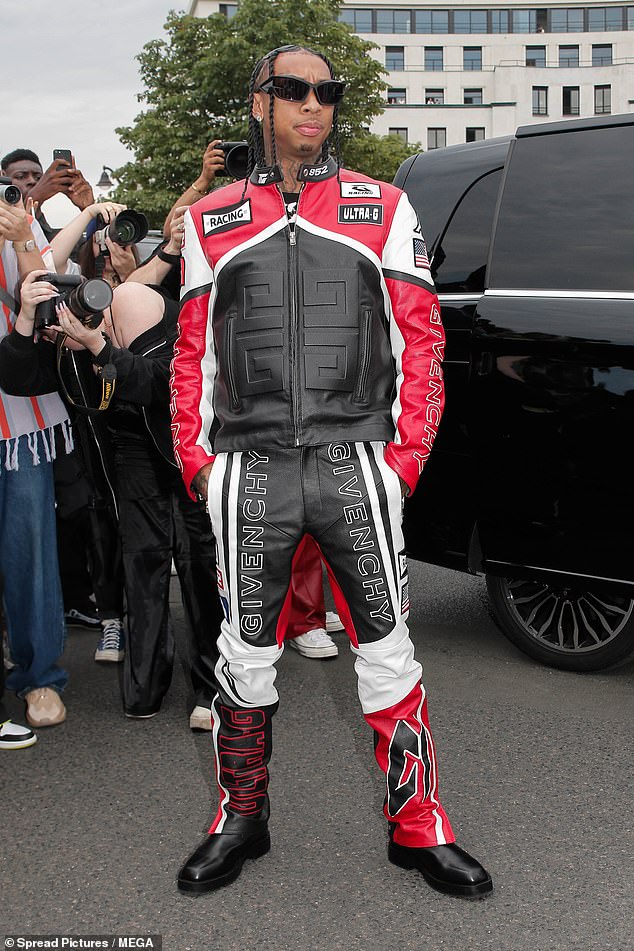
column 531, row 239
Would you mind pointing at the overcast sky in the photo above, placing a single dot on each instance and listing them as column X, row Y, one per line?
column 68, row 77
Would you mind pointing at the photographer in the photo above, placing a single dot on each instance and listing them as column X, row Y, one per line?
column 158, row 521
column 28, row 548
column 24, row 169
column 97, row 258
column 213, row 165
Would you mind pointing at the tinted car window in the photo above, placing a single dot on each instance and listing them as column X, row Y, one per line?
column 460, row 259
column 566, row 213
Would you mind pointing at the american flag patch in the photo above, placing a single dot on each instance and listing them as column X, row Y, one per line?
column 420, row 253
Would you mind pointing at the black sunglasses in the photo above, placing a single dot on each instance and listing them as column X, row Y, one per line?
column 329, row 92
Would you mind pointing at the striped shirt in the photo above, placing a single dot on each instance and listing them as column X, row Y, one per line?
column 24, row 415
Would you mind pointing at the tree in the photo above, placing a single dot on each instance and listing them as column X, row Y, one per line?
column 196, row 89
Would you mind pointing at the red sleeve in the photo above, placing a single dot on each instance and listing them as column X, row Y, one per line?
column 193, row 366
column 418, row 340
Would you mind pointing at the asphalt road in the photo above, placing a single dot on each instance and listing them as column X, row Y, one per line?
column 536, row 775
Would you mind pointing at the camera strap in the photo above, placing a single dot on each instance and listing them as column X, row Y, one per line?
column 9, row 301
column 107, row 374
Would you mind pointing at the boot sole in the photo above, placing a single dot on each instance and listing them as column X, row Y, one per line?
column 477, row 890
column 255, row 851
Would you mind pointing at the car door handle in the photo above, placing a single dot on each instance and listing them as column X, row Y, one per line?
column 485, row 363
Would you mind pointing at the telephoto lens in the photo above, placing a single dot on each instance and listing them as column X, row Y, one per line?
column 85, row 299
column 236, row 157
column 10, row 194
column 129, row 227
column 89, row 298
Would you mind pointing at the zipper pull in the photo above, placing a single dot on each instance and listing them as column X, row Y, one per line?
column 291, row 235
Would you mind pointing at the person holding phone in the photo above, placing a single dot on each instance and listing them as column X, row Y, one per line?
column 25, row 170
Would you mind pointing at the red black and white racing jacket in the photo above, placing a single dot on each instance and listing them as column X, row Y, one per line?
column 297, row 334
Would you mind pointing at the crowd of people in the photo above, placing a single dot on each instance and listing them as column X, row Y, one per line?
column 274, row 419
column 115, row 516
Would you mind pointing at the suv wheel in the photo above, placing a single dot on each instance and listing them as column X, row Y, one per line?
column 566, row 627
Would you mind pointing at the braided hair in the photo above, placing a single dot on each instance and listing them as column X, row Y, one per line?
column 264, row 69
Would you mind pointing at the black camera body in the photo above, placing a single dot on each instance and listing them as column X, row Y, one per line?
column 236, row 156
column 129, row 227
column 10, row 194
column 85, row 299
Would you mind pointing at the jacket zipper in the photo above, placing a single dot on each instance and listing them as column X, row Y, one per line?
column 364, row 357
column 294, row 323
column 229, row 354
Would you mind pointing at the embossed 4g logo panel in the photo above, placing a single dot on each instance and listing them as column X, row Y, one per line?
column 328, row 306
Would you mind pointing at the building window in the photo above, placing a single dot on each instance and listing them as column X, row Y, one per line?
column 395, row 58
column 470, row 21
column 436, row 138
column 568, row 55
column 499, row 21
column 601, row 54
column 630, row 18
column 434, row 97
column 396, row 97
column 535, row 55
column 472, row 58
column 472, row 97
column 474, row 134
column 433, row 58
column 393, row 21
column 431, row 21
column 602, row 100
column 359, row 20
column 524, row 21
column 229, row 9
column 400, row 131
column 603, row 19
column 570, row 101
column 540, row 100
column 566, row 21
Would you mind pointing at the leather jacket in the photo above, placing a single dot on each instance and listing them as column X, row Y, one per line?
column 301, row 333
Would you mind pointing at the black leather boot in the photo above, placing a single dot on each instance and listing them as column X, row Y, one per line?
column 447, row 868
column 219, row 858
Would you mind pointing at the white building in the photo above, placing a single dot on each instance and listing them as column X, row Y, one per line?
column 471, row 70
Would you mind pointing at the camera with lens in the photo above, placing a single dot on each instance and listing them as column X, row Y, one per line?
column 10, row 194
column 85, row 299
column 129, row 227
column 236, row 156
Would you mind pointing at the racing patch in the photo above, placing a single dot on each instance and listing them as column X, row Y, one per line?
column 360, row 214
column 360, row 190
column 224, row 219
column 420, row 253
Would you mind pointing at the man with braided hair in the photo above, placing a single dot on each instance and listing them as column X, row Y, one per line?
column 306, row 394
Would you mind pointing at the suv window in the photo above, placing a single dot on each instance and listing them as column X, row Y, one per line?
column 461, row 256
column 554, row 182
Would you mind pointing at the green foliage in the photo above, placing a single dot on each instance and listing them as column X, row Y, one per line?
column 196, row 88
column 378, row 156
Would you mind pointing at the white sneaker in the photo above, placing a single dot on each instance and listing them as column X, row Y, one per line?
column 200, row 718
column 13, row 736
column 333, row 623
column 315, row 644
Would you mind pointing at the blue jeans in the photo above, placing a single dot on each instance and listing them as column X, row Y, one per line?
column 28, row 565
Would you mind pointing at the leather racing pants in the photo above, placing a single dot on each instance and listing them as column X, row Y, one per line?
column 349, row 500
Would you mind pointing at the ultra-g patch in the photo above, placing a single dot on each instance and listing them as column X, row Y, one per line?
column 360, row 214
column 224, row 219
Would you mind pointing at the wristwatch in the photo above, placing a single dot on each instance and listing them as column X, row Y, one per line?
column 29, row 245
